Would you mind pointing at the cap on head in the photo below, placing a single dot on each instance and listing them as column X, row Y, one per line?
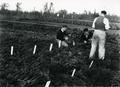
column 65, row 26
column 103, row 12
column 85, row 29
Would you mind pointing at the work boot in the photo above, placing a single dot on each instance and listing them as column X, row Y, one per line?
column 102, row 58
column 89, row 60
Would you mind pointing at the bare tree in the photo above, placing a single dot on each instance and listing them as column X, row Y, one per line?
column 4, row 6
column 51, row 9
column 85, row 12
column 46, row 8
column 63, row 13
column 18, row 8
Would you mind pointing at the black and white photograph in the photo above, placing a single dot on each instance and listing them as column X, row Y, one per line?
column 59, row 43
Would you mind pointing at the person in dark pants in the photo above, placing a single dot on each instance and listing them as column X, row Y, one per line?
column 62, row 36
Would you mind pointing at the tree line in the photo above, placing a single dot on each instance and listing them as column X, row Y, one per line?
column 48, row 13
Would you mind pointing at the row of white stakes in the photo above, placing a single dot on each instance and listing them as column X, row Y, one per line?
column 50, row 49
column 35, row 47
column 34, row 50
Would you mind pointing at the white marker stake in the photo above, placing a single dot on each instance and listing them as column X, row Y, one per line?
column 51, row 45
column 73, row 72
column 34, row 49
column 59, row 43
column 73, row 43
column 47, row 83
column 11, row 50
column 90, row 64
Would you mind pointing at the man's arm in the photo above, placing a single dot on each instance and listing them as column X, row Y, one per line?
column 106, row 22
column 93, row 25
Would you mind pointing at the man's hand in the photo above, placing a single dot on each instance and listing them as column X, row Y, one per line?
column 85, row 42
column 66, row 38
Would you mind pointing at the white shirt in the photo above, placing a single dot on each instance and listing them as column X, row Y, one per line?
column 105, row 21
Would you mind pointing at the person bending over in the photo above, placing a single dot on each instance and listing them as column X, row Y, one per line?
column 62, row 36
column 86, row 36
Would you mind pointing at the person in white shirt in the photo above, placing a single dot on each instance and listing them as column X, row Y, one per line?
column 100, row 25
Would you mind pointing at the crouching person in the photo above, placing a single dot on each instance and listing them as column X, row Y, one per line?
column 86, row 36
column 62, row 36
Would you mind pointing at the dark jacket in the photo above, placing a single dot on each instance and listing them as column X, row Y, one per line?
column 86, row 37
column 61, row 35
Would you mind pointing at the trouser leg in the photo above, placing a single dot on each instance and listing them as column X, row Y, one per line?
column 59, row 43
column 64, row 44
column 102, row 46
column 92, row 51
column 93, row 46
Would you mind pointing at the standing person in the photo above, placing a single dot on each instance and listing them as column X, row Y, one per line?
column 62, row 36
column 100, row 25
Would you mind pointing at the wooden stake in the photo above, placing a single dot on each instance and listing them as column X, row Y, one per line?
column 34, row 49
column 91, row 64
column 73, row 72
column 73, row 43
column 51, row 46
column 11, row 50
column 59, row 43
column 47, row 84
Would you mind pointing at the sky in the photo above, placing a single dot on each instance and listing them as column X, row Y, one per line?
column 78, row 6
